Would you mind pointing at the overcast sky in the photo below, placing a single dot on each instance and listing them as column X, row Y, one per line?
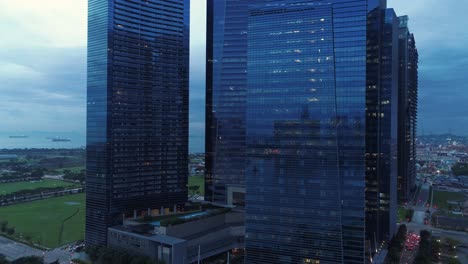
column 43, row 65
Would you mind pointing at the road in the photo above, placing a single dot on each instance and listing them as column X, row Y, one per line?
column 417, row 224
column 420, row 205
column 14, row 250
column 422, row 198
column 407, row 256
column 460, row 236
column 54, row 177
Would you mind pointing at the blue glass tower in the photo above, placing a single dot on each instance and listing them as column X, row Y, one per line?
column 309, row 89
column 137, row 126
column 226, row 82
column 306, row 113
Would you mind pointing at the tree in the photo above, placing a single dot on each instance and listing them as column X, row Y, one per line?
column 121, row 257
column 421, row 259
column 425, row 234
column 11, row 231
column 194, row 189
column 4, row 226
column 93, row 253
column 141, row 260
column 424, row 253
column 435, row 250
column 105, row 256
column 394, row 255
column 460, row 169
column 401, row 234
column 37, row 173
column 453, row 261
column 29, row 260
column 451, row 242
column 3, row 259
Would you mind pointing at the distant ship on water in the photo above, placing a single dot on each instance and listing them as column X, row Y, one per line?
column 57, row 139
column 18, row 136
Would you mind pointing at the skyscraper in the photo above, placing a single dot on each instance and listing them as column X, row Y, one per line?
column 226, row 82
column 408, row 111
column 381, row 125
column 310, row 89
column 305, row 195
column 137, row 126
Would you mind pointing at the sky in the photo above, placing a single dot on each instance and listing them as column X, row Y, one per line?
column 43, row 65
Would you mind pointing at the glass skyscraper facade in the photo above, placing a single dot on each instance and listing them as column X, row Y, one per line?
column 137, row 105
column 306, row 113
column 226, row 80
column 302, row 110
column 408, row 111
column 381, row 125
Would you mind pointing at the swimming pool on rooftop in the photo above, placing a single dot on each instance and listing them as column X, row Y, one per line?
column 184, row 217
column 190, row 216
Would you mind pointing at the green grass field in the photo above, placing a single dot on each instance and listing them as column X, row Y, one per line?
column 42, row 220
column 6, row 188
column 441, row 197
column 402, row 213
column 197, row 181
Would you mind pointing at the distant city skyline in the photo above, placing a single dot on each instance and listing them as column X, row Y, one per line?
column 43, row 66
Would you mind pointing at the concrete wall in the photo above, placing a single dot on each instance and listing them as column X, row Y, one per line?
column 213, row 235
column 132, row 244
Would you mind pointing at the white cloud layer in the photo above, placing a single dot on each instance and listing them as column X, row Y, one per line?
column 43, row 62
column 51, row 23
column 10, row 70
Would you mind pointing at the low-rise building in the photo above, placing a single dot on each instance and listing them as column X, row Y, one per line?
column 181, row 238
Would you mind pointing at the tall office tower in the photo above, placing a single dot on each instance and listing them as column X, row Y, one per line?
column 381, row 126
column 408, row 111
column 320, row 130
column 137, row 126
column 225, row 101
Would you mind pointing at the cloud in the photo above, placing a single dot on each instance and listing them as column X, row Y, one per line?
column 45, row 23
column 44, row 90
column 443, row 62
column 43, row 65
column 11, row 70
